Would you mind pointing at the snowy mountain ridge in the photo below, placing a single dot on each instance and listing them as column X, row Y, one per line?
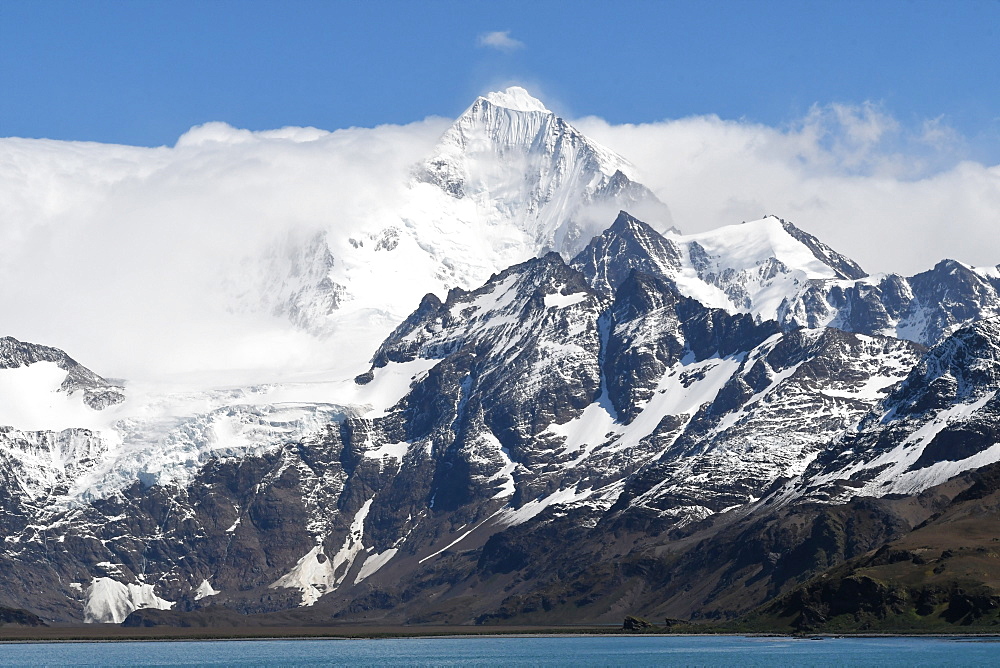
column 587, row 389
column 511, row 364
column 755, row 267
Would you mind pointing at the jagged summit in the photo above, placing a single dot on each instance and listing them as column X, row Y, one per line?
column 521, row 164
column 507, row 126
column 628, row 244
column 515, row 98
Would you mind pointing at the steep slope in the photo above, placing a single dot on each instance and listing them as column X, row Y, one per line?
column 940, row 421
column 790, row 397
column 942, row 576
column 628, row 244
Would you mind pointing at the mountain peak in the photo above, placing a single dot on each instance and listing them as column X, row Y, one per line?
column 625, row 221
column 843, row 265
column 748, row 245
column 628, row 244
column 525, row 168
column 516, row 99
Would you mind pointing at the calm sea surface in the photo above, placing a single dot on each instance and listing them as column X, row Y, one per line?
column 646, row 651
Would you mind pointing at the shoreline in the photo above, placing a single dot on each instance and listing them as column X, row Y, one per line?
column 75, row 634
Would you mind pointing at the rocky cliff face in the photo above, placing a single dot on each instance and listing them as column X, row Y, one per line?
column 939, row 421
column 923, row 308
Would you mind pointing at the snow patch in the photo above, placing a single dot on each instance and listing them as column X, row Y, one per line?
column 374, row 562
column 506, row 472
column 205, row 589
column 562, row 301
column 395, row 451
column 512, row 517
column 316, row 574
column 675, row 394
column 459, row 539
column 313, row 575
column 390, row 384
column 988, row 272
column 110, row 601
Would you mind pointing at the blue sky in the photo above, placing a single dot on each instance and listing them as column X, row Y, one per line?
column 873, row 125
column 144, row 72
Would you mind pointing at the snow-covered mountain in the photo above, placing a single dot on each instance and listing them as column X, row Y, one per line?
column 753, row 267
column 527, row 170
column 508, row 181
column 516, row 372
column 598, row 389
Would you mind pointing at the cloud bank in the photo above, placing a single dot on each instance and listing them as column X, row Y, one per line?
column 126, row 257
column 129, row 258
column 892, row 198
column 499, row 40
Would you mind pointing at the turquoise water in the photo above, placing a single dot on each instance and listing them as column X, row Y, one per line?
column 599, row 651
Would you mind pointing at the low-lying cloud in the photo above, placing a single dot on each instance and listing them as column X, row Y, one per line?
column 124, row 256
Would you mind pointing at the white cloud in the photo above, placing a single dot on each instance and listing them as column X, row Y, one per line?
column 121, row 255
column 500, row 40
column 125, row 256
column 892, row 198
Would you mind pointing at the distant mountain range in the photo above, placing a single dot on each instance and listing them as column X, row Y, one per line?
column 586, row 416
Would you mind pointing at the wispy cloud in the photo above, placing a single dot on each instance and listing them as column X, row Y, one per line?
column 500, row 40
